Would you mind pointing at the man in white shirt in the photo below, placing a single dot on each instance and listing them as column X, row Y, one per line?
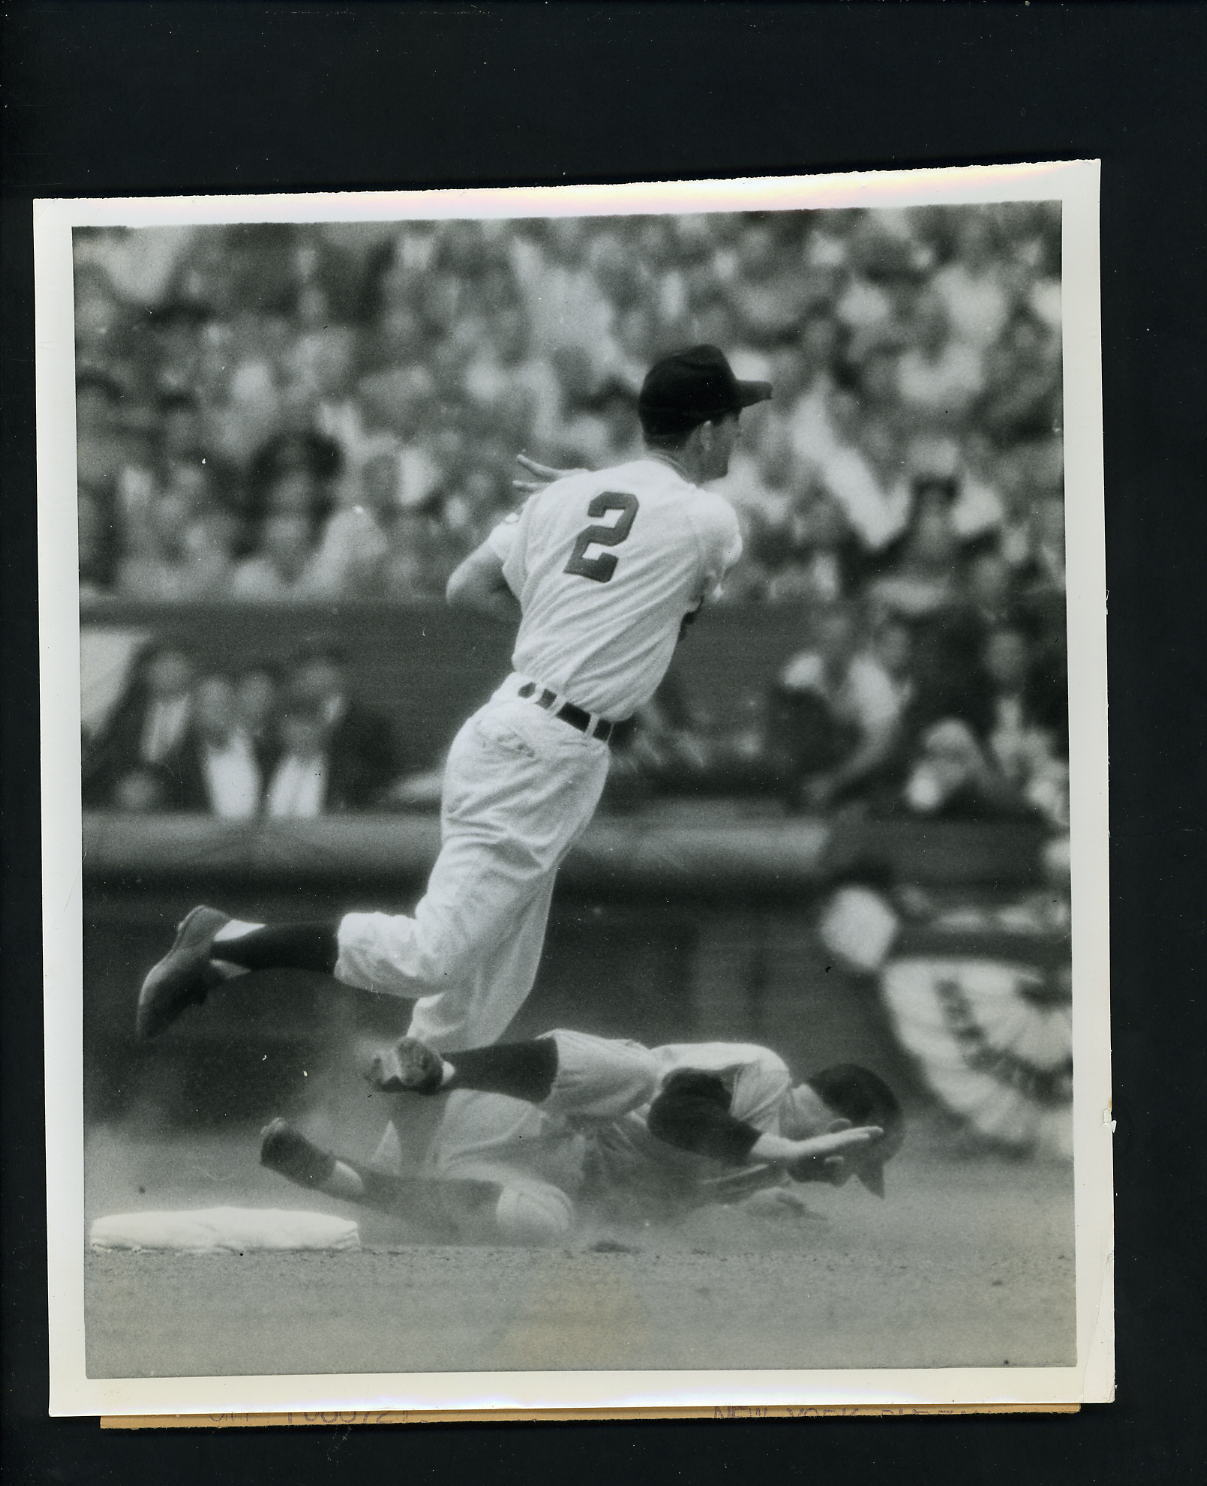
column 606, row 568
column 297, row 786
column 842, row 711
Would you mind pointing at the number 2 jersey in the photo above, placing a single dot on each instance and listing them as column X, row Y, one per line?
column 606, row 565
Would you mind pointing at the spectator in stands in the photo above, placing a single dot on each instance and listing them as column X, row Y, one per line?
column 215, row 769
column 286, row 569
column 357, row 538
column 865, row 476
column 972, row 286
column 767, row 288
column 806, row 408
column 144, row 790
column 1004, row 749
column 1043, row 569
column 257, row 694
column 102, row 445
column 618, row 436
column 146, row 724
column 362, row 757
column 179, row 556
column 938, row 376
column 836, row 713
column 184, row 453
column 97, row 547
column 299, row 784
column 282, row 361
column 504, row 364
column 812, row 554
column 418, row 559
column 923, row 576
column 979, row 509
column 1021, row 400
column 296, row 450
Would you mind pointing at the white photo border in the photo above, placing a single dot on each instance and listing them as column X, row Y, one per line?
column 1091, row 1379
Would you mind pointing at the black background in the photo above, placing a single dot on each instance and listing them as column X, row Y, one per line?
column 175, row 98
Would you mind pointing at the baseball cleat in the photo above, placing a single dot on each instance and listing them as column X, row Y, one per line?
column 285, row 1150
column 184, row 975
column 409, row 1067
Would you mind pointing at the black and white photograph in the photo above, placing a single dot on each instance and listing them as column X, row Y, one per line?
column 574, row 733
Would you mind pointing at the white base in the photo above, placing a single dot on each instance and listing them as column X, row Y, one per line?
column 224, row 1230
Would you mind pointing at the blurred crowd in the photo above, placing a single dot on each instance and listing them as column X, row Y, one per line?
column 958, row 715
column 332, row 411
column 289, row 412
column 961, row 714
column 263, row 741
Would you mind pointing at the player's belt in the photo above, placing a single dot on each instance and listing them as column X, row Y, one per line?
column 577, row 717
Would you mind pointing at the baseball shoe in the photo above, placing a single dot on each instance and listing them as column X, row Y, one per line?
column 285, row 1150
column 184, row 975
column 409, row 1067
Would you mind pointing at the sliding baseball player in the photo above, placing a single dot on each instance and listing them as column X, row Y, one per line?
column 539, row 1131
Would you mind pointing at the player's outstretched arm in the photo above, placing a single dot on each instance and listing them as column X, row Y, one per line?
column 478, row 585
column 806, row 1159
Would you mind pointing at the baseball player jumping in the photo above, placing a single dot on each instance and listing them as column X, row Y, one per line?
column 570, row 1121
column 604, row 567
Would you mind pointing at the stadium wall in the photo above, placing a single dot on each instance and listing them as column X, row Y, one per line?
column 662, row 929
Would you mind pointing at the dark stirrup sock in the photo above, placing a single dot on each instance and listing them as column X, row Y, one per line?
column 282, row 947
column 525, row 1070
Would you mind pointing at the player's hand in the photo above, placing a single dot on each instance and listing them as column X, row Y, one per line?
column 824, row 1158
column 538, row 475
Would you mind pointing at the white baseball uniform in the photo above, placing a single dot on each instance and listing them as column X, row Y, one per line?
column 591, row 1131
column 605, row 566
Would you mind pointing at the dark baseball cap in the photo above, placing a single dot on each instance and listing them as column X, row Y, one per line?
column 693, row 386
column 865, row 1099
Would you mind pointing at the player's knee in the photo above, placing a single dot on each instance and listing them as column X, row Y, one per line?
column 534, row 1215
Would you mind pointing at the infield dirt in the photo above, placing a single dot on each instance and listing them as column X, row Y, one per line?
column 969, row 1262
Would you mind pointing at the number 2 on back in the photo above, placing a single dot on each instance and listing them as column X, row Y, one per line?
column 601, row 567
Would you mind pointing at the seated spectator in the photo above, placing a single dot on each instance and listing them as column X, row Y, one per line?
column 865, row 477
column 286, row 568
column 183, row 452
column 979, row 509
column 812, row 555
column 938, row 376
column 215, row 769
column 297, row 448
column 360, row 747
column 922, row 578
column 257, row 693
column 146, row 725
column 418, row 560
column 972, row 286
column 1022, row 388
column 505, row 364
column 836, row 713
column 102, row 447
column 807, row 408
column 299, row 783
column 145, row 790
column 1004, row 748
column 1043, row 569
column 97, row 548
column 179, row 557
column 767, row 287
column 356, row 538
column 765, row 477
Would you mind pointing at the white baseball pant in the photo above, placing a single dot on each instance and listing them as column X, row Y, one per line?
column 537, row 1154
column 520, row 787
